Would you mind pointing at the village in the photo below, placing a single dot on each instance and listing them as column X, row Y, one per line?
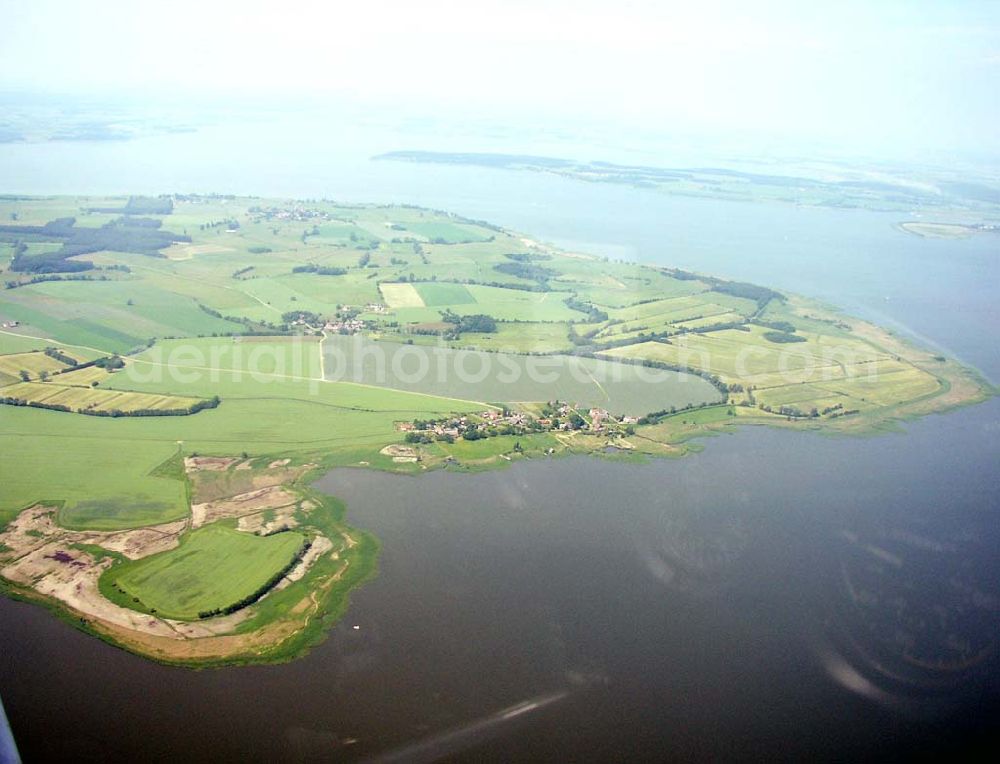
column 555, row 416
column 345, row 322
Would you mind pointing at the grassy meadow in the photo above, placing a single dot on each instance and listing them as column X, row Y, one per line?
column 213, row 568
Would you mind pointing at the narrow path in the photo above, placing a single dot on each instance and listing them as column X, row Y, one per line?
column 57, row 342
column 599, row 385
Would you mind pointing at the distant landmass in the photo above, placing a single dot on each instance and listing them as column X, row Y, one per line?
column 849, row 187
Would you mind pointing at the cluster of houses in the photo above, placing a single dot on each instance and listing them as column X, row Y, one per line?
column 345, row 325
column 566, row 417
column 300, row 214
column 10, row 324
column 440, row 429
column 563, row 417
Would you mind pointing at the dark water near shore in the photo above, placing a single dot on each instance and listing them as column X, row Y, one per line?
column 691, row 608
column 783, row 595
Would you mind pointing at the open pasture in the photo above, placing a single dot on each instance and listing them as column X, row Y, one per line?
column 443, row 293
column 212, row 568
column 401, row 296
column 747, row 357
column 102, row 473
column 516, row 338
column 445, row 232
column 11, row 343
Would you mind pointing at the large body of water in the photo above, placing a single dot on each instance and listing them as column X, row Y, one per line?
column 782, row 595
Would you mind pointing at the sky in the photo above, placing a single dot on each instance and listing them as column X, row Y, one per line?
column 862, row 74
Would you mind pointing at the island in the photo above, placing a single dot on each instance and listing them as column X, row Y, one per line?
column 175, row 371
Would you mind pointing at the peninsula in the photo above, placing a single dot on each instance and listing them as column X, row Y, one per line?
column 176, row 370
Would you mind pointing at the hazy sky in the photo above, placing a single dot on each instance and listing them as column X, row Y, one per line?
column 874, row 73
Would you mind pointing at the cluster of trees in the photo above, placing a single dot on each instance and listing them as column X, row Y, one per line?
column 82, row 241
column 141, row 205
column 230, row 224
column 778, row 326
column 258, row 250
column 306, row 316
column 242, row 271
column 110, row 363
column 192, row 409
column 594, row 315
column 58, row 355
column 10, row 400
column 54, row 277
column 526, row 257
column 364, row 259
column 477, row 322
column 761, row 295
column 783, row 337
column 527, row 271
column 325, row 270
column 844, row 412
column 263, row 588
column 655, row 417
column 417, row 436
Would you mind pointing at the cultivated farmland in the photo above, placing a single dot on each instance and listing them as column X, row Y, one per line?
column 213, row 568
column 374, row 336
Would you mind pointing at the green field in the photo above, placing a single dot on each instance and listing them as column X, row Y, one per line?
column 102, row 471
column 449, row 233
column 213, row 567
column 518, row 338
column 325, row 369
column 273, row 402
column 13, row 343
column 401, row 296
column 434, row 294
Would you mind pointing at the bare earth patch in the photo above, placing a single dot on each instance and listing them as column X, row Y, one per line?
column 211, row 463
column 255, row 523
column 43, row 560
column 271, row 497
column 140, row 542
column 400, row 454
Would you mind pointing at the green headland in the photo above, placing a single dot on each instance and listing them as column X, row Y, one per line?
column 175, row 371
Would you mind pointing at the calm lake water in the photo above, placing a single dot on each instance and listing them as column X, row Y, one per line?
column 782, row 595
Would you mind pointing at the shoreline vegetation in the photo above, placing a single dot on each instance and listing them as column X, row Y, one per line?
column 309, row 336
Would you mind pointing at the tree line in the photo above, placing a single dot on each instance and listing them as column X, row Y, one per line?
column 263, row 588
